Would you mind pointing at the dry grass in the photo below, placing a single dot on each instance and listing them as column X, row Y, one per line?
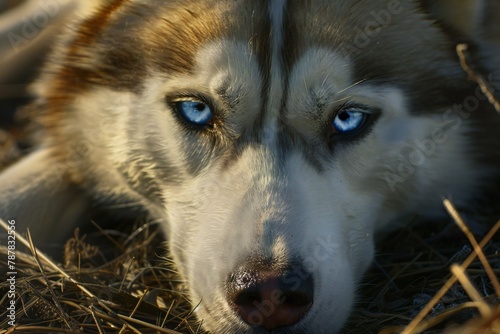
column 411, row 288
column 121, row 282
column 110, row 282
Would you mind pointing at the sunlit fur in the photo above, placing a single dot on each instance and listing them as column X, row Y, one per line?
column 267, row 180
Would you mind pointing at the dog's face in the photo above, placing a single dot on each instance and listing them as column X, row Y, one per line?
column 273, row 140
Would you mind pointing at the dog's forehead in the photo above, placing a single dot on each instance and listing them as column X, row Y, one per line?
column 171, row 32
column 373, row 34
column 124, row 41
column 365, row 30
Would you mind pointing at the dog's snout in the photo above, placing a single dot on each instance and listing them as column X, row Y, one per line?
column 271, row 299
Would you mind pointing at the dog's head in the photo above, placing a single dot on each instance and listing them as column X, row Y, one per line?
column 274, row 140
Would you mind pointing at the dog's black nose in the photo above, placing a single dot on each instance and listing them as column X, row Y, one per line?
column 271, row 299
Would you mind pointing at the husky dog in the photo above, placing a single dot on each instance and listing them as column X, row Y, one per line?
column 272, row 140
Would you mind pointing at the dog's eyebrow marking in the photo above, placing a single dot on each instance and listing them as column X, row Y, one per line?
column 229, row 94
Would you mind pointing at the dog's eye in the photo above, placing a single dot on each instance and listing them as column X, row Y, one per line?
column 197, row 113
column 348, row 120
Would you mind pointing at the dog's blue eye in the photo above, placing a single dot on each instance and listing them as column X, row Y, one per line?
column 348, row 120
column 195, row 112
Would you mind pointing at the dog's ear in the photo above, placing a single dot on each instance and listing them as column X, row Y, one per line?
column 488, row 27
column 458, row 18
column 470, row 18
column 36, row 194
column 475, row 22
